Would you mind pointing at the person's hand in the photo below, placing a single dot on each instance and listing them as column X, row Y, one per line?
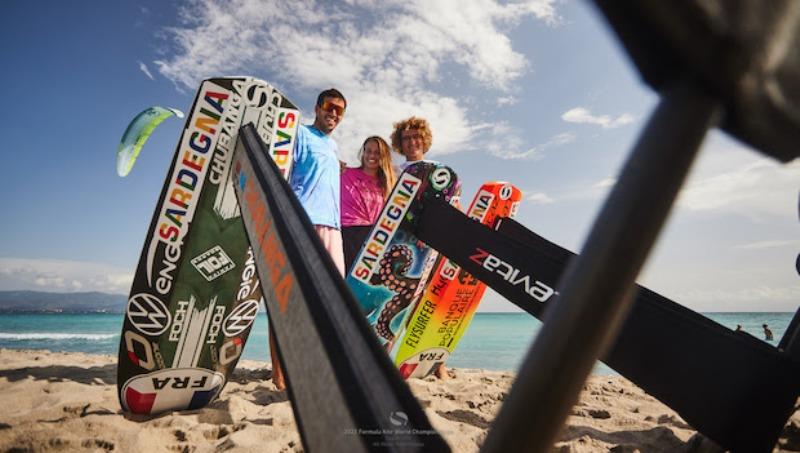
column 342, row 166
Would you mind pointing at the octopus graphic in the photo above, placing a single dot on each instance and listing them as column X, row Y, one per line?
column 392, row 274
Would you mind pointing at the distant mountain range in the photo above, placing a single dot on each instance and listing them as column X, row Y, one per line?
column 43, row 302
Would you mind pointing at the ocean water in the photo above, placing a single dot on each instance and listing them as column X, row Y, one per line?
column 494, row 341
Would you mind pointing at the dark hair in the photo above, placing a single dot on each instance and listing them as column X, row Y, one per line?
column 330, row 93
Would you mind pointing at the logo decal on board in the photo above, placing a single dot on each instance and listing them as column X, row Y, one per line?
column 506, row 191
column 440, row 178
column 534, row 288
column 386, row 226
column 230, row 351
column 212, row 263
column 171, row 389
column 240, row 318
column 140, row 351
column 422, row 363
column 148, row 314
column 398, row 418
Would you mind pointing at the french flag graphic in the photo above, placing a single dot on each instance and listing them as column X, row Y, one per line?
column 407, row 369
column 172, row 389
column 139, row 403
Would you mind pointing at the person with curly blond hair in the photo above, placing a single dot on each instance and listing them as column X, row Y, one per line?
column 364, row 190
column 412, row 138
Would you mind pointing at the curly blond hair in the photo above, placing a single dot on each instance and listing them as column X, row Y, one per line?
column 419, row 124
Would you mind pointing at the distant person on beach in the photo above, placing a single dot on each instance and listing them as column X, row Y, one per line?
column 364, row 190
column 315, row 182
column 767, row 333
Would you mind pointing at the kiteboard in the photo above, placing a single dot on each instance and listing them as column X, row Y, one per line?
column 452, row 295
column 196, row 292
column 392, row 266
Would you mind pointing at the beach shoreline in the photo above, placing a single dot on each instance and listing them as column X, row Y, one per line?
column 60, row 401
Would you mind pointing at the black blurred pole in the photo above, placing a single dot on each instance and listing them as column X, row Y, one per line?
column 595, row 292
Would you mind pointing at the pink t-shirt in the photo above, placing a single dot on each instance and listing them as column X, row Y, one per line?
column 362, row 198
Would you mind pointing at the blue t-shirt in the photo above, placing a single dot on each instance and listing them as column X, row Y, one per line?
column 315, row 176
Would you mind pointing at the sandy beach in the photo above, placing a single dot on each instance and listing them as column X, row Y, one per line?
column 67, row 402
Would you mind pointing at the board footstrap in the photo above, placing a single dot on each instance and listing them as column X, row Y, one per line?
column 732, row 387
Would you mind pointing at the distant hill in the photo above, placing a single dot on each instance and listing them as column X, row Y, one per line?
column 42, row 302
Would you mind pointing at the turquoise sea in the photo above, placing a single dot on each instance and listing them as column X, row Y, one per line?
column 494, row 341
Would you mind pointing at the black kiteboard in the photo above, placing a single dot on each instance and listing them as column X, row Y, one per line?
column 196, row 290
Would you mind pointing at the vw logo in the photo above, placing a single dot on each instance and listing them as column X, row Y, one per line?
column 148, row 314
column 240, row 318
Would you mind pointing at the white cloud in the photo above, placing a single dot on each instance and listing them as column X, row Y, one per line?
column 145, row 70
column 507, row 145
column 605, row 183
column 583, row 115
column 505, row 101
column 756, row 189
column 384, row 58
column 762, row 245
column 63, row 276
column 539, row 198
column 587, row 192
column 759, row 298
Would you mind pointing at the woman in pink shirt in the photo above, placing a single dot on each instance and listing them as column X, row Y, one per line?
column 364, row 190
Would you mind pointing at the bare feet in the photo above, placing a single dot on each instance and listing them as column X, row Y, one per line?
column 441, row 373
column 277, row 371
column 280, row 384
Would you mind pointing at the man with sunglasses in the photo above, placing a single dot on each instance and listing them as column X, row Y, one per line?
column 315, row 181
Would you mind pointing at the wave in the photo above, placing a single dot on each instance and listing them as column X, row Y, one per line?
column 56, row 336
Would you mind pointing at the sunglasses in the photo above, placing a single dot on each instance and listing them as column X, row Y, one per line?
column 411, row 136
column 331, row 107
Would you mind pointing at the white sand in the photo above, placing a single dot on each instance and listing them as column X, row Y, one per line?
column 68, row 402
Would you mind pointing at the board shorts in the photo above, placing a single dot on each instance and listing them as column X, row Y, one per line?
column 353, row 237
column 332, row 241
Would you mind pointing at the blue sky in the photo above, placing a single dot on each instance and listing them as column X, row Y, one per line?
column 538, row 93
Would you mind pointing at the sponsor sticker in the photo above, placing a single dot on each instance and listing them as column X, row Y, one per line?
column 230, row 350
column 534, row 288
column 172, row 389
column 192, row 327
column 422, row 363
column 240, row 318
column 506, row 191
column 148, row 314
column 480, row 207
column 440, row 178
column 213, row 263
column 386, row 226
column 139, row 350
column 449, row 270
column 283, row 143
